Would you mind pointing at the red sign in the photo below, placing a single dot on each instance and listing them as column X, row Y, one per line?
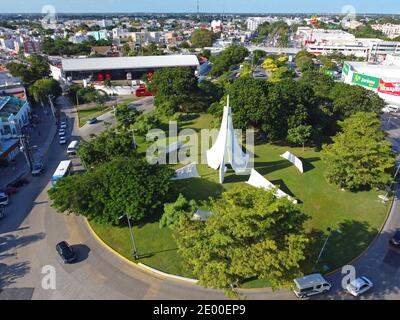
column 392, row 88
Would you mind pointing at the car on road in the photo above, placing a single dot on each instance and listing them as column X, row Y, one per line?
column 395, row 241
column 92, row 121
column 63, row 126
column 63, row 140
column 359, row 285
column 4, row 200
column 311, row 285
column 66, row 252
column 61, row 133
column 18, row 183
column 9, row 191
column 37, row 168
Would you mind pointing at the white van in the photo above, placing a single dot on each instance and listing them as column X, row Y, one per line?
column 311, row 285
column 73, row 146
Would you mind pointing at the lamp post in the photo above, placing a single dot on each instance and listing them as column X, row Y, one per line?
column 323, row 247
column 135, row 251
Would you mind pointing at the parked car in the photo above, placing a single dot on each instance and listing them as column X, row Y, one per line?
column 61, row 133
column 63, row 140
column 395, row 241
column 66, row 252
column 37, row 168
column 92, row 121
column 4, row 200
column 63, row 126
column 359, row 286
column 310, row 285
column 9, row 191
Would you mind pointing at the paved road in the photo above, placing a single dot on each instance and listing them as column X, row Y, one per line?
column 145, row 105
column 27, row 241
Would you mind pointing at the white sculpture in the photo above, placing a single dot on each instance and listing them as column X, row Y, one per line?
column 293, row 159
column 227, row 149
column 201, row 215
column 187, row 172
column 258, row 181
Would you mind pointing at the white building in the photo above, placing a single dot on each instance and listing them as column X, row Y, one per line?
column 384, row 79
column 391, row 30
column 254, row 22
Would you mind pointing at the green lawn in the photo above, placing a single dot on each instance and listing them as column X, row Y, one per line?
column 356, row 216
column 96, row 111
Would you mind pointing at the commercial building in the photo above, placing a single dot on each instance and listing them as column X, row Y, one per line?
column 119, row 68
column 319, row 41
column 14, row 116
column 390, row 30
column 384, row 79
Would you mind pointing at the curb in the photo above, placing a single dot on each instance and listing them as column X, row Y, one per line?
column 140, row 266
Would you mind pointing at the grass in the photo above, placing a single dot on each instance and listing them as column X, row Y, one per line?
column 87, row 113
column 355, row 218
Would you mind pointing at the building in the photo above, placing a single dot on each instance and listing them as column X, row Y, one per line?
column 320, row 41
column 11, row 86
column 253, row 23
column 384, row 79
column 390, row 30
column 119, row 68
column 216, row 26
column 98, row 35
column 14, row 116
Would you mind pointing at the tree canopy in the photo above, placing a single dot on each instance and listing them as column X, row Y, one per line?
column 250, row 233
column 37, row 68
column 202, row 38
column 231, row 56
column 41, row 89
column 360, row 157
column 122, row 186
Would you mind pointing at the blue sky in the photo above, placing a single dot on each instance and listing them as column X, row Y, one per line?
column 240, row 6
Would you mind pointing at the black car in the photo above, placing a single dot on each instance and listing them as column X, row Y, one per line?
column 92, row 121
column 66, row 252
column 395, row 241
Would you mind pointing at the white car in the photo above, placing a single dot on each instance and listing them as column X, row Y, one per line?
column 393, row 107
column 63, row 140
column 61, row 133
column 359, row 286
column 63, row 126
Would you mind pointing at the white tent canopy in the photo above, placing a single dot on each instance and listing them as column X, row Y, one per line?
column 187, row 172
column 227, row 148
column 201, row 215
column 258, row 181
column 293, row 159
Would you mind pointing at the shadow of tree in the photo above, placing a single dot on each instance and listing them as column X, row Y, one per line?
column 9, row 274
column 10, row 241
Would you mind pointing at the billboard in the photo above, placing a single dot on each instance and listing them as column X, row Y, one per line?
column 366, row 81
column 346, row 69
column 392, row 88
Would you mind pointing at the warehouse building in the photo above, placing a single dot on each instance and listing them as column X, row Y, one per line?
column 119, row 68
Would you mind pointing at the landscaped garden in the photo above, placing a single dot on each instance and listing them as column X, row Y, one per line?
column 354, row 217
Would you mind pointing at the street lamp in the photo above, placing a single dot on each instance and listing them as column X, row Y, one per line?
column 135, row 251
column 323, row 247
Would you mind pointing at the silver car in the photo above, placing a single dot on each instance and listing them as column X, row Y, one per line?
column 359, row 286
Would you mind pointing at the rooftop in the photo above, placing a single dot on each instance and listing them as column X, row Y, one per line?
column 387, row 72
column 90, row 64
column 10, row 105
column 7, row 79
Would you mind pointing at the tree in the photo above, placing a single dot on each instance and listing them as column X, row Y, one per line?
column 231, row 56
column 106, row 146
column 300, row 135
column 348, row 100
column 173, row 212
column 202, row 38
column 125, row 115
column 304, row 60
column 360, row 157
column 122, row 186
column 43, row 88
column 250, row 233
column 37, row 68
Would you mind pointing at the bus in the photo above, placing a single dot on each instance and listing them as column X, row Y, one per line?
column 63, row 169
column 73, row 146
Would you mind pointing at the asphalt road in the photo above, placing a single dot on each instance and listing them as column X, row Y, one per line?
column 32, row 229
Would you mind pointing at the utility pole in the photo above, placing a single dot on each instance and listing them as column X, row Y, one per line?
column 24, row 147
column 323, row 247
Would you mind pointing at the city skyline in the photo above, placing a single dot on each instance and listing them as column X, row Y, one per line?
column 206, row 6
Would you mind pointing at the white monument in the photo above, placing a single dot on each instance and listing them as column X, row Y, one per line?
column 258, row 181
column 227, row 149
column 187, row 172
column 293, row 159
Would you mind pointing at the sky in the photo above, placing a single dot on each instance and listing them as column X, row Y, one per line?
column 218, row 6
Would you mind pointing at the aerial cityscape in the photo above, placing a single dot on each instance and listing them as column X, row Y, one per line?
column 192, row 150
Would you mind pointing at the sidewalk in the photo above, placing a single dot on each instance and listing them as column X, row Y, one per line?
column 40, row 138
